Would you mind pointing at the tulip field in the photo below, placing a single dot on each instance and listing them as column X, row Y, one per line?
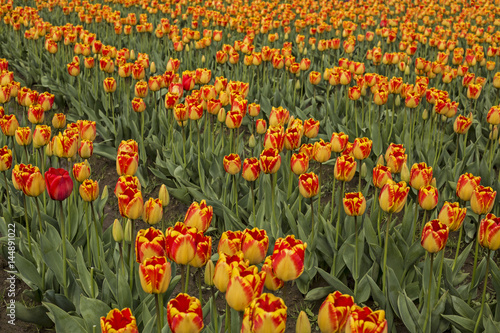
column 250, row 166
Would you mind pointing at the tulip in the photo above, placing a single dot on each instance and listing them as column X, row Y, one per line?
column 364, row 320
column 465, row 186
column 153, row 211
column 434, row 236
column 420, row 175
column 203, row 250
column 25, row 177
column 270, row 160
column 124, row 182
column 292, row 138
column 59, row 184
column 86, row 149
column 138, row 105
column 199, row 216
column 181, row 242
column 224, row 267
column 288, row 258
column 81, row 171
column 303, row 325
column 339, row 142
column 311, row 128
column 321, row 151
column 345, row 168
column 334, row 312
column 130, row 203
column 232, row 164
column 244, row 285
column 36, row 114
column 462, row 124
column 428, row 197
column 109, row 84
column 299, row 163
column 119, row 321
column 127, row 163
column 362, row 148
column 155, row 274
column 272, row 282
column 5, row 159
column 274, row 138
column 396, row 160
column 230, row 243
column 149, row 243
column 59, row 120
column 381, row 175
column 489, row 232
column 452, row 215
column 266, row 313
column 251, row 169
column 89, row 190
column 278, row 117
column 354, row 204
column 308, row 184
column 23, row 136
column 184, row 314
column 254, row 245
column 260, row 126
column 65, row 146
column 392, row 197
column 482, row 199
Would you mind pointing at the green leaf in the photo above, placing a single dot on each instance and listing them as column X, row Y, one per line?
column 28, row 272
column 463, row 324
column 36, row 315
column 334, row 282
column 63, row 321
column 318, row 293
column 408, row 312
column 91, row 311
column 84, row 275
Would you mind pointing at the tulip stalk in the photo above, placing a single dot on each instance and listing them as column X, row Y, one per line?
column 96, row 235
column 63, row 236
column 312, row 218
column 228, row 318
column 332, row 202
column 428, row 309
column 183, row 144
column 158, row 316
column 41, row 228
column 337, row 227
column 187, row 279
column 386, row 247
column 8, row 194
column 440, row 273
column 273, row 197
column 480, row 317
column 458, row 247
column 253, row 200
column 27, row 223
column 89, row 257
column 356, row 265
column 235, row 190
column 202, row 182
column 131, row 257
column 476, row 251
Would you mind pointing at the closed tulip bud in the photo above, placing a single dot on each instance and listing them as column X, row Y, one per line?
column 428, row 197
column 334, row 312
column 117, row 231
column 303, row 325
column 164, row 196
column 380, row 160
column 434, row 236
column 127, row 235
column 465, row 186
column 489, row 232
column 482, row 199
column 452, row 215
column 397, row 101
column 184, row 314
column 252, row 142
column 221, row 117
column 209, row 273
column 392, row 197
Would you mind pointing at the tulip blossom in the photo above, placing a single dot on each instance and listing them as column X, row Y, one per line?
column 199, row 216
column 364, row 320
column 149, row 243
column 392, row 197
column 354, row 204
column 452, row 215
column 434, row 236
column 334, row 312
column 299, row 163
column 130, row 203
column 127, row 163
column 489, row 232
column 124, row 182
column 41, row 136
column 466, row 184
column 153, row 211
column 362, row 148
column 89, row 190
column 59, row 184
column 232, row 164
column 203, row 250
column 184, row 314
column 270, row 160
column 288, row 258
column 155, row 274
column 381, row 175
column 119, row 321
column 251, row 169
column 338, row 142
column 420, row 175
column 182, row 243
column 9, row 124
column 428, row 197
column 244, row 285
column 254, row 245
column 26, row 177
column 224, row 268
column 321, row 151
column 266, row 313
column 345, row 168
column 308, row 184
column 482, row 199
column 5, row 159
column 81, row 171
column 462, row 124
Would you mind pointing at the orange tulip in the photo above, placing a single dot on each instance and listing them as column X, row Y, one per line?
column 124, row 182
column 109, row 84
column 278, row 117
column 203, row 250
column 292, row 138
column 230, row 242
column 251, row 169
column 59, row 120
column 434, row 236
column 89, row 190
column 138, row 105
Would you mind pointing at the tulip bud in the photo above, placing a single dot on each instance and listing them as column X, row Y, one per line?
column 221, row 117
column 252, row 142
column 152, row 67
column 397, row 102
column 202, row 59
column 128, row 231
column 380, row 160
column 187, row 48
column 305, row 51
column 303, row 324
column 363, row 171
column 132, row 55
column 405, row 173
column 494, row 133
column 407, row 70
column 164, row 196
column 433, row 182
column 209, row 273
column 117, row 231
column 425, row 115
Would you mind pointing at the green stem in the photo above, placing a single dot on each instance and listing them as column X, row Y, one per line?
column 142, row 130
column 456, row 155
column 333, row 200
column 235, row 190
column 476, row 251
column 41, row 229
column 338, row 217
column 386, row 247
column 187, row 279
column 26, row 154
column 8, row 193
column 112, row 107
column 485, row 284
column 415, row 220
column 97, row 242
column 88, row 234
column 131, row 258
column 356, row 268
column 319, row 189
column 158, row 316
column 228, row 318
column 458, row 247
column 273, row 196
column 428, row 312
column 440, row 273
column 27, row 223
column 200, row 171
column 63, row 236
column 92, row 289
column 253, row 200
column 312, row 219
column 183, row 145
